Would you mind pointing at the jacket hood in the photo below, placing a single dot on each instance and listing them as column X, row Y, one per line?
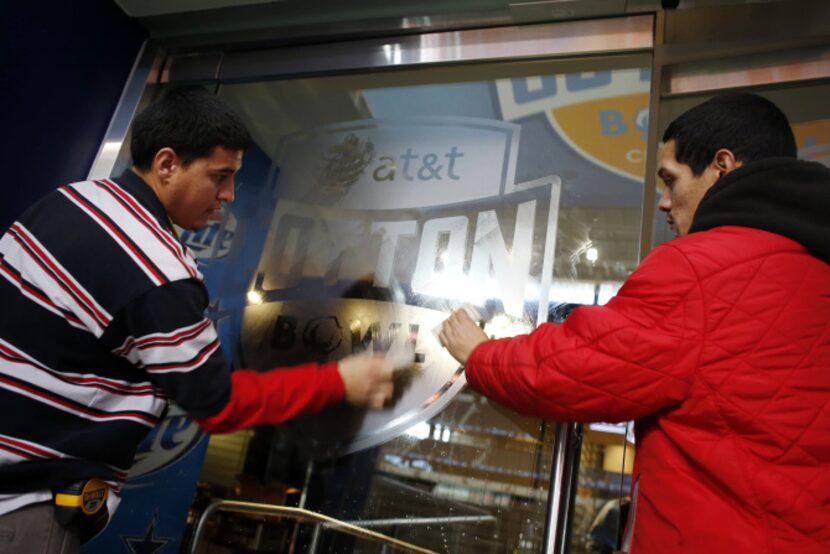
column 785, row 196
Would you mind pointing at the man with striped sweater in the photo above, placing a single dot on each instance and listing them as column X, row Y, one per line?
column 104, row 321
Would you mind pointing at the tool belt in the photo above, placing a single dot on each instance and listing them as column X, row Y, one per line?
column 83, row 506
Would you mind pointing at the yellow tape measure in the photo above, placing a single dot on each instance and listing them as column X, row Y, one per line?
column 90, row 499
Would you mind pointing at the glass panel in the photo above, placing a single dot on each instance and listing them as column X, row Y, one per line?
column 602, row 496
column 752, row 70
column 369, row 207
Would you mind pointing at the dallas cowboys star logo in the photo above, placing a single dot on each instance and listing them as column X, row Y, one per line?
column 148, row 544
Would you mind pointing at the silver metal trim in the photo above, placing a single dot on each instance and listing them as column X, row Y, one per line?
column 632, row 518
column 622, row 34
column 569, row 484
column 273, row 24
column 297, row 514
column 563, row 478
column 146, row 70
column 309, row 471
column 555, row 492
column 750, row 72
column 650, row 175
column 412, row 521
column 713, row 48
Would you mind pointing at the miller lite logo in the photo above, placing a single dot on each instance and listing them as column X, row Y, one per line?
column 169, row 441
column 214, row 240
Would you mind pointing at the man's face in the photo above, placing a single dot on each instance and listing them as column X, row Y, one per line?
column 195, row 192
column 682, row 191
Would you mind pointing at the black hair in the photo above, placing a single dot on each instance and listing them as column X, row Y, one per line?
column 751, row 126
column 191, row 121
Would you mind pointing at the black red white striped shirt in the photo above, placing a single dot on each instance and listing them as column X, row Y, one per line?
column 104, row 320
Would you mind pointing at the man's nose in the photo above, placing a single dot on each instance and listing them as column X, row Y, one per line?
column 226, row 193
column 665, row 200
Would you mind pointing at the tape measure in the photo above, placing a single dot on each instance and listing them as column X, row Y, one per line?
column 90, row 496
column 83, row 505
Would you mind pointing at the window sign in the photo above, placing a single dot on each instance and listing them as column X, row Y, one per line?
column 377, row 229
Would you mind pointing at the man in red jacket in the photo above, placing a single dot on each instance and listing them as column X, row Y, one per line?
column 718, row 345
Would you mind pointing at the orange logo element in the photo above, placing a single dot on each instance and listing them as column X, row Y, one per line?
column 610, row 132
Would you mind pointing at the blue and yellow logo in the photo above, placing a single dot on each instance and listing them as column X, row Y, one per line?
column 601, row 115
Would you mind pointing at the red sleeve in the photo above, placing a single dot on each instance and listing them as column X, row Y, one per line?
column 275, row 396
column 629, row 358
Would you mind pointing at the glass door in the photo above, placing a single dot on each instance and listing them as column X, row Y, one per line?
column 373, row 204
column 390, row 183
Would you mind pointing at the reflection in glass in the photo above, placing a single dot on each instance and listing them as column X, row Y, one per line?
column 366, row 212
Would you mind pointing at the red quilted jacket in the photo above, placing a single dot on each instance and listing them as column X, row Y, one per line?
column 718, row 345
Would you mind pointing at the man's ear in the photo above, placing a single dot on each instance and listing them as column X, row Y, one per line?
column 165, row 162
column 725, row 162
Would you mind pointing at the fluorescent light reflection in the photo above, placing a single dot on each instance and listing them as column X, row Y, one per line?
column 592, row 255
column 255, row 297
column 111, row 147
column 392, row 53
column 419, row 431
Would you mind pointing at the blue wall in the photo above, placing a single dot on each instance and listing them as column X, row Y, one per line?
column 64, row 67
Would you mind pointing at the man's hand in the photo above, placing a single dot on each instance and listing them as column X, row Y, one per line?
column 460, row 335
column 367, row 379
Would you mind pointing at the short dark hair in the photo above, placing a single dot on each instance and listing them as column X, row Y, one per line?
column 751, row 126
column 191, row 121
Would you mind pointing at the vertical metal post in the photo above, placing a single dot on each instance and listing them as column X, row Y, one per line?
column 650, row 181
column 315, row 538
column 309, row 470
column 570, row 483
column 562, row 487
